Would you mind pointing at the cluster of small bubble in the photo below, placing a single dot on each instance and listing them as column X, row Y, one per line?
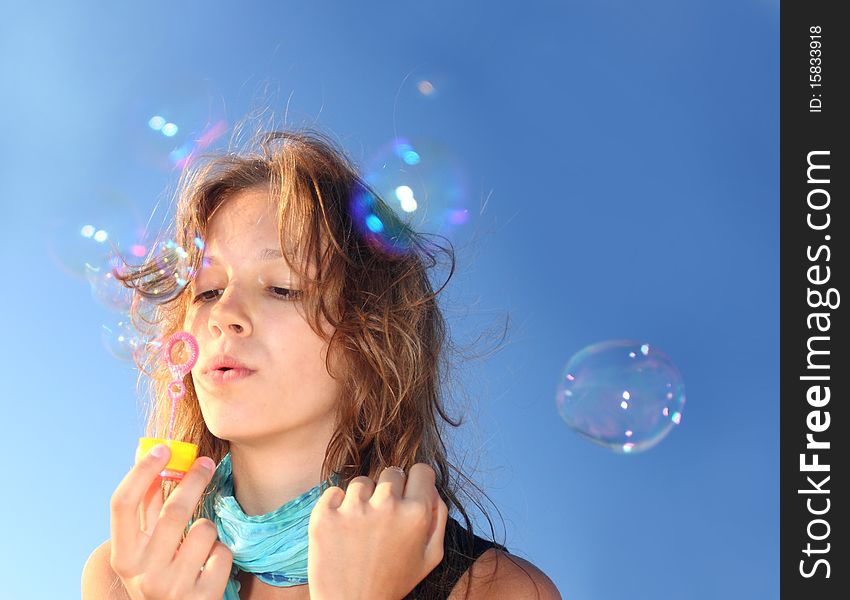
column 624, row 395
column 158, row 280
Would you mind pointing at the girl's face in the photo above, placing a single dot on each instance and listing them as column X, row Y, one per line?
column 244, row 307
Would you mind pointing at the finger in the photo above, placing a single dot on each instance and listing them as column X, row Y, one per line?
column 331, row 498
column 434, row 548
column 152, row 501
column 176, row 512
column 124, row 524
column 151, row 505
column 360, row 489
column 390, row 483
column 420, row 484
column 213, row 578
column 195, row 549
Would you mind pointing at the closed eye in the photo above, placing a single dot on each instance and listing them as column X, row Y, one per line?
column 286, row 292
column 278, row 292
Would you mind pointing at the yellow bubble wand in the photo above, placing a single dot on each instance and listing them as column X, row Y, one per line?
column 183, row 454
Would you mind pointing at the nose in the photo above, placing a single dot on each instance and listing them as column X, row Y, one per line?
column 236, row 327
column 228, row 315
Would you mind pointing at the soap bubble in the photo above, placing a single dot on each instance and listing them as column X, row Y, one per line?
column 122, row 340
column 129, row 339
column 106, row 289
column 169, row 131
column 424, row 185
column 157, row 278
column 622, row 394
column 89, row 230
column 166, row 274
column 164, row 277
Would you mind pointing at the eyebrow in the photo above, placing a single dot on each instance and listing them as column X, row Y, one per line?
column 265, row 254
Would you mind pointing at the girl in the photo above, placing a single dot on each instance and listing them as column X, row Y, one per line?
column 316, row 396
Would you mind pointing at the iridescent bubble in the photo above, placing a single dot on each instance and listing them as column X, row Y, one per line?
column 157, row 277
column 423, row 186
column 165, row 274
column 89, row 230
column 106, row 289
column 622, row 394
column 377, row 224
column 128, row 339
column 168, row 131
column 122, row 340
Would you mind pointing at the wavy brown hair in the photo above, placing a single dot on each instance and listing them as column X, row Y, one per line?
column 381, row 305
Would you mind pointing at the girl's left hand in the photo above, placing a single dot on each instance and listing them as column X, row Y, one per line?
column 376, row 542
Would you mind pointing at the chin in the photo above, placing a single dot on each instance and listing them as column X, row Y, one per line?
column 229, row 420
column 219, row 417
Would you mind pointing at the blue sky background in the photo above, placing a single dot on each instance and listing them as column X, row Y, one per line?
column 621, row 161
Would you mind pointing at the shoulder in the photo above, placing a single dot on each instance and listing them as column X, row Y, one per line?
column 498, row 574
column 99, row 581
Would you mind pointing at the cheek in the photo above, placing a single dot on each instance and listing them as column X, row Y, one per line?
column 308, row 356
column 190, row 322
column 305, row 358
column 336, row 362
column 195, row 322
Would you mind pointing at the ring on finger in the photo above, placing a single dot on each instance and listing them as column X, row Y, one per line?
column 398, row 469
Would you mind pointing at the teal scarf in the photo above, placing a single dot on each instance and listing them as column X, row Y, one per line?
column 272, row 546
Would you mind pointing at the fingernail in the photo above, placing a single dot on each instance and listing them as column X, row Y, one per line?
column 207, row 463
column 158, row 451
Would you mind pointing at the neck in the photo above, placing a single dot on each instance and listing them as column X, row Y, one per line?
column 269, row 473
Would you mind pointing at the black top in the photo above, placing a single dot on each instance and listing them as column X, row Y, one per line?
column 457, row 558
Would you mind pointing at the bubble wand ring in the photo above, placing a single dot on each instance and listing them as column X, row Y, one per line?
column 183, row 454
column 176, row 389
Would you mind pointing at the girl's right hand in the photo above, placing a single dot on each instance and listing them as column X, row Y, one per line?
column 146, row 552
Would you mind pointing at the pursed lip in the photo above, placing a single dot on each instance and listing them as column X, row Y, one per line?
column 220, row 376
column 226, row 361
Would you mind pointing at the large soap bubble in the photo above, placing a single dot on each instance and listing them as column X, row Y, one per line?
column 422, row 183
column 170, row 131
column 624, row 395
column 90, row 229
